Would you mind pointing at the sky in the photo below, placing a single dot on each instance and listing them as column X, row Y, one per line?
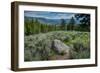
column 49, row 15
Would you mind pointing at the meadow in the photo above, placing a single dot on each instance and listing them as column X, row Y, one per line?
column 39, row 46
column 40, row 40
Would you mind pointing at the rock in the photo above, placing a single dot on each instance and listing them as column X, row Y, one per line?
column 60, row 47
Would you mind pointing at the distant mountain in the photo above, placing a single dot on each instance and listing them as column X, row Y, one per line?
column 49, row 21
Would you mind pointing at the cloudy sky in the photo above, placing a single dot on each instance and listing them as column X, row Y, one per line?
column 49, row 15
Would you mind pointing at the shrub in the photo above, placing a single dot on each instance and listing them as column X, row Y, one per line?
column 39, row 46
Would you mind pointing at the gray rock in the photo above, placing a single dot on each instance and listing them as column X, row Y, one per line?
column 60, row 47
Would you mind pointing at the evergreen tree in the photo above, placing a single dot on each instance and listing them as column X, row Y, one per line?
column 63, row 24
column 84, row 21
column 71, row 24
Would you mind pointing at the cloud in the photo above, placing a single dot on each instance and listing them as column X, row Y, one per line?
column 49, row 15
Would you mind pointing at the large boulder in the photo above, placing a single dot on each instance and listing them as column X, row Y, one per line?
column 60, row 47
column 64, row 51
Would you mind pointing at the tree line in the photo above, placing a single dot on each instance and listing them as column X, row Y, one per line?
column 33, row 26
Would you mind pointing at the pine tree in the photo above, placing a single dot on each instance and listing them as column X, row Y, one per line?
column 63, row 24
column 71, row 24
column 84, row 21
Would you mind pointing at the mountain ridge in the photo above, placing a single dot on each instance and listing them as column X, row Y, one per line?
column 49, row 21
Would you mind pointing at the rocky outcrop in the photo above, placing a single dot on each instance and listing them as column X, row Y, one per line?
column 64, row 51
column 60, row 47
